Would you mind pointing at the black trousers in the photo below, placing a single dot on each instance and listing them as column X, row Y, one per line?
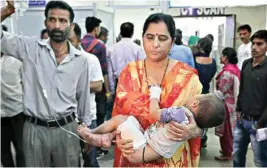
column 101, row 101
column 12, row 131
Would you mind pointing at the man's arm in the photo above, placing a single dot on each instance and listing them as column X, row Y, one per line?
column 13, row 45
column 96, row 78
column 262, row 122
column 83, row 96
column 191, row 61
column 238, row 103
column 111, row 74
column 104, row 65
column 96, row 87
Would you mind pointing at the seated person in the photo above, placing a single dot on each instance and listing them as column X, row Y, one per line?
column 208, row 111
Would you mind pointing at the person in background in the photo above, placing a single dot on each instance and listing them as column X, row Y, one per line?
column 206, row 67
column 244, row 50
column 103, row 35
column 12, row 117
column 179, row 37
column 193, row 40
column 251, row 104
column 44, row 34
column 55, row 83
column 180, row 52
column 122, row 53
column 92, row 45
column 96, row 83
column 210, row 36
column 227, row 81
column 118, row 38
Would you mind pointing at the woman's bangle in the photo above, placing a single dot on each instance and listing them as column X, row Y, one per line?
column 144, row 149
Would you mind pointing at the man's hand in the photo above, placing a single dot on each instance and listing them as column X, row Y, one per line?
column 10, row 3
column 109, row 97
column 7, row 10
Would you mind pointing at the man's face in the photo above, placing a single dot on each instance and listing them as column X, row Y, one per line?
column 244, row 35
column 104, row 38
column 45, row 36
column 58, row 24
column 258, row 48
column 74, row 39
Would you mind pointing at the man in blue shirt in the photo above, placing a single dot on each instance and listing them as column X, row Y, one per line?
column 180, row 52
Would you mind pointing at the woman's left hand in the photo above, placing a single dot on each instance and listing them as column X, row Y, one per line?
column 179, row 132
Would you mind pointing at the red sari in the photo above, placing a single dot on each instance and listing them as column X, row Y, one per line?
column 132, row 98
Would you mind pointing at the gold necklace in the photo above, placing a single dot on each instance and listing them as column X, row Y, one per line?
column 162, row 76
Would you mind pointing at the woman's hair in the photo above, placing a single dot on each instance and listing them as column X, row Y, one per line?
column 211, row 110
column 231, row 55
column 160, row 17
column 210, row 36
column 205, row 45
column 195, row 50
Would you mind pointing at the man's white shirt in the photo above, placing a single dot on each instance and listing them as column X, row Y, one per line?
column 11, row 86
column 95, row 74
column 243, row 53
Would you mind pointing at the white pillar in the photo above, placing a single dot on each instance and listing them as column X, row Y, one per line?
column 266, row 18
column 164, row 5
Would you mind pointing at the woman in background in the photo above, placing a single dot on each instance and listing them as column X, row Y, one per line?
column 227, row 82
column 206, row 67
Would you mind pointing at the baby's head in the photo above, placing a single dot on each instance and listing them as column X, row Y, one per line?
column 208, row 109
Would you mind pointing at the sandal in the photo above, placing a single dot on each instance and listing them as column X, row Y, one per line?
column 222, row 158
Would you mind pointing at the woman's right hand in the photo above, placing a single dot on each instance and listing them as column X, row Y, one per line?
column 125, row 145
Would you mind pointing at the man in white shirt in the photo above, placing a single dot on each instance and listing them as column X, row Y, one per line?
column 244, row 50
column 96, row 83
column 12, row 117
column 122, row 53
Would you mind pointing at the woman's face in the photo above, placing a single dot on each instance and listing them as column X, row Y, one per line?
column 223, row 59
column 157, row 41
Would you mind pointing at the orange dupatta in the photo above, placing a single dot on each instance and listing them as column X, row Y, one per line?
column 133, row 99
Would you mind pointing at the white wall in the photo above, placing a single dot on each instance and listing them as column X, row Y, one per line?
column 266, row 18
column 255, row 16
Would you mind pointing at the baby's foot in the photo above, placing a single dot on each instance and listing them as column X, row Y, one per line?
column 107, row 139
column 99, row 140
column 82, row 130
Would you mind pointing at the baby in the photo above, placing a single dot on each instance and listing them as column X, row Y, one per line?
column 207, row 109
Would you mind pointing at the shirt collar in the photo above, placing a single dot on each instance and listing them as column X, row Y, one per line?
column 89, row 35
column 72, row 50
column 126, row 39
column 262, row 63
